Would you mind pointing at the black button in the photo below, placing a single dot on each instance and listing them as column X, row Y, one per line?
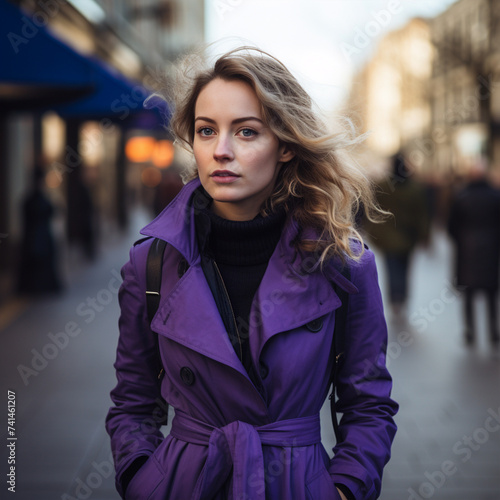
column 315, row 325
column 264, row 371
column 187, row 375
column 182, row 268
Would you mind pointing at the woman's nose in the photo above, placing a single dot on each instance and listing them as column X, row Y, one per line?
column 223, row 149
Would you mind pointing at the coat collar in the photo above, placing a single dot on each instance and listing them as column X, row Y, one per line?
column 175, row 225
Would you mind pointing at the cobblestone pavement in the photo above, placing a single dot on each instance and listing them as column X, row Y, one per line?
column 58, row 355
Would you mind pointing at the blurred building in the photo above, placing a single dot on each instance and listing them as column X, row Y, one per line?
column 390, row 94
column 71, row 97
column 465, row 94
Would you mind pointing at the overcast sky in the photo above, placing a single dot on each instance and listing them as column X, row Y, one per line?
column 321, row 41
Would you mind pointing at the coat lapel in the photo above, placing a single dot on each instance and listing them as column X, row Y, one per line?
column 189, row 316
column 285, row 301
column 289, row 297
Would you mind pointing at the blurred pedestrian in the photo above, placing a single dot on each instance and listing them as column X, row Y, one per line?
column 397, row 237
column 86, row 216
column 82, row 214
column 243, row 334
column 38, row 272
column 474, row 226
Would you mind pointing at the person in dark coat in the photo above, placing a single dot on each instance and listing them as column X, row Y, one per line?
column 403, row 197
column 241, row 343
column 38, row 272
column 474, row 226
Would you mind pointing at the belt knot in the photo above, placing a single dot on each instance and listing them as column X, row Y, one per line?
column 237, row 448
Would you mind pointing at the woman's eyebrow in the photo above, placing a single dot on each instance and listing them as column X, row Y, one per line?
column 237, row 120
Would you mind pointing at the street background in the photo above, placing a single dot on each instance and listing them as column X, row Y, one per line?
column 84, row 165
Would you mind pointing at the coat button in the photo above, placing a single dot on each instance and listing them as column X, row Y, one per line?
column 315, row 325
column 182, row 268
column 264, row 371
column 187, row 375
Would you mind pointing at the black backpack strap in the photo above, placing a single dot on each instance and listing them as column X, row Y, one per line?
column 154, row 266
column 339, row 334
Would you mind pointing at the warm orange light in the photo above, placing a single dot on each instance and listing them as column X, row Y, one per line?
column 139, row 149
column 163, row 154
column 151, row 177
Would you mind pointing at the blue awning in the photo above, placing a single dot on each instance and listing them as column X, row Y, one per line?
column 118, row 99
column 40, row 72
column 114, row 96
column 37, row 69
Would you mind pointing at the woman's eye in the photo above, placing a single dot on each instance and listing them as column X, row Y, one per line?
column 247, row 132
column 205, row 131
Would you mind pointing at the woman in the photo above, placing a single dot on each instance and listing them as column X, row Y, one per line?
column 243, row 333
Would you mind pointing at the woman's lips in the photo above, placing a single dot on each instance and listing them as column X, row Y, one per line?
column 224, row 176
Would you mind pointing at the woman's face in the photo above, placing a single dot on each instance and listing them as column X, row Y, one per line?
column 237, row 155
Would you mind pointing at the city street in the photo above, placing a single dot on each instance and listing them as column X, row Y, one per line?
column 58, row 359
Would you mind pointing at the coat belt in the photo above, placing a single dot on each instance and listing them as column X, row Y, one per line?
column 237, row 448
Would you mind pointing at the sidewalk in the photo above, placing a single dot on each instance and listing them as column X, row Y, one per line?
column 448, row 443
column 58, row 359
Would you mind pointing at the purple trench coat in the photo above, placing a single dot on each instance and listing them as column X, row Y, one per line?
column 231, row 439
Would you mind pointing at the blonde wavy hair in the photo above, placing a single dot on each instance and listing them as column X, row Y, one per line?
column 322, row 186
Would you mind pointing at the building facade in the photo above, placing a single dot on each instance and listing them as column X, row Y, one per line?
column 390, row 94
column 465, row 81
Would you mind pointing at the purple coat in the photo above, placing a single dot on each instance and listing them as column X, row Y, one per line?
column 230, row 439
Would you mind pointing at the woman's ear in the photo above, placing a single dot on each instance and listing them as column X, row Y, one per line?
column 286, row 154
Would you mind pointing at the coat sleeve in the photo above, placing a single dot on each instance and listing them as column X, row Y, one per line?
column 367, row 428
column 134, row 421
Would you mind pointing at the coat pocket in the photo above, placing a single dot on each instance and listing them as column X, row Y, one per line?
column 322, row 487
column 146, row 481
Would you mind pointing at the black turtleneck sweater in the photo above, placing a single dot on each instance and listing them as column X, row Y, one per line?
column 241, row 251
